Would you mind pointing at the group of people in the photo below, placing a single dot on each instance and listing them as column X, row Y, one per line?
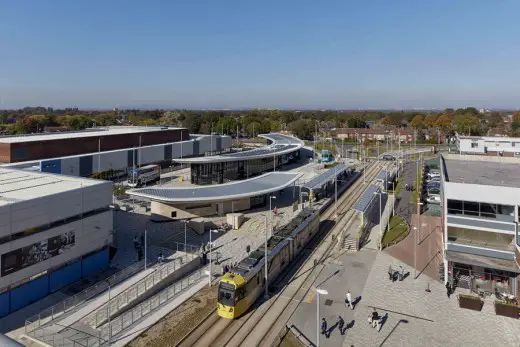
column 408, row 187
column 340, row 324
column 375, row 320
column 393, row 275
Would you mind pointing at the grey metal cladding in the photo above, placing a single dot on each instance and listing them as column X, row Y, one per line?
column 168, row 152
column 85, row 165
column 196, row 148
column 363, row 202
column 480, row 223
column 487, row 252
column 325, row 177
column 270, row 181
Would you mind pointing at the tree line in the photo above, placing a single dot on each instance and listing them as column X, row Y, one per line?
column 468, row 121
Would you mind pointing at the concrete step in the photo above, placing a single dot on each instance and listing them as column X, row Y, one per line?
column 349, row 244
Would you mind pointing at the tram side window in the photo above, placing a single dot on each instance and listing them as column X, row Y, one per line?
column 241, row 293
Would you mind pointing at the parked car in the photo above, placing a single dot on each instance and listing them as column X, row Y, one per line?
column 434, row 191
column 433, row 174
column 433, row 199
column 388, row 157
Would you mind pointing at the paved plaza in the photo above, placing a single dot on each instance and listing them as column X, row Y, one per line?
column 415, row 316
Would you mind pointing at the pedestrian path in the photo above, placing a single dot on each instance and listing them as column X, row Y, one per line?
column 421, row 314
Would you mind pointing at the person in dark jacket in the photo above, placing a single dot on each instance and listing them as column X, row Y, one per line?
column 323, row 326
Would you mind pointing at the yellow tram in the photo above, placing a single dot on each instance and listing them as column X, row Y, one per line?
column 240, row 288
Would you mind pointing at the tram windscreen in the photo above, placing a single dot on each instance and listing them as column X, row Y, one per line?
column 226, row 294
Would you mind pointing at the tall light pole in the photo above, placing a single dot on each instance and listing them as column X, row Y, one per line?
column 266, row 295
column 419, row 204
column 271, row 210
column 380, row 221
column 145, row 258
column 318, row 293
column 336, row 192
column 108, row 314
column 210, row 249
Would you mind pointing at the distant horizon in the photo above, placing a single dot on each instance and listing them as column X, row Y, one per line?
column 166, row 108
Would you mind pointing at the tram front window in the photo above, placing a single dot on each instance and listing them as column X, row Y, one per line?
column 226, row 294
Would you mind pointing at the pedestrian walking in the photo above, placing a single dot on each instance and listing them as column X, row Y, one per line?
column 448, row 289
column 160, row 258
column 136, row 242
column 348, row 300
column 341, row 324
column 323, row 326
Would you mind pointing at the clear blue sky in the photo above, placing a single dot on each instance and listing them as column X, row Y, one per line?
column 270, row 53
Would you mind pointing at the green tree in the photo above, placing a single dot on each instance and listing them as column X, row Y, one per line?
column 443, row 123
column 417, row 122
column 430, row 120
column 302, row 128
column 355, row 122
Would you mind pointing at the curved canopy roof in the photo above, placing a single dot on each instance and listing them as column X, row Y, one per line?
column 260, row 185
column 281, row 144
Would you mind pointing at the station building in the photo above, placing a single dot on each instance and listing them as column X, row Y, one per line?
column 54, row 230
column 219, row 169
column 204, row 201
column 491, row 146
column 480, row 202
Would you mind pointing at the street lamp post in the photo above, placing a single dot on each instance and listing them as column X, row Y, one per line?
column 419, row 204
column 380, row 221
column 210, row 249
column 145, row 248
column 271, row 210
column 108, row 314
column 336, row 192
column 266, row 295
column 318, row 292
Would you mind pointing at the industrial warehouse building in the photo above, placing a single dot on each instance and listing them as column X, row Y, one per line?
column 54, row 230
column 481, row 203
column 19, row 148
column 105, row 164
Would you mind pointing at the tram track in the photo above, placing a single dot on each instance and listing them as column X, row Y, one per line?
column 258, row 326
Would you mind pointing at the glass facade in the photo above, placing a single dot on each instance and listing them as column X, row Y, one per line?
column 218, row 173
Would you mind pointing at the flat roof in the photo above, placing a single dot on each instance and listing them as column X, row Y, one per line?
column 92, row 132
column 281, row 144
column 20, row 185
column 491, row 138
column 260, row 185
column 325, row 177
column 491, row 173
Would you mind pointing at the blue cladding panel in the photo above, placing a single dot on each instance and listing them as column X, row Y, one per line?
column 85, row 166
column 52, row 166
column 94, row 263
column 29, row 292
column 363, row 202
column 4, row 304
column 64, row 276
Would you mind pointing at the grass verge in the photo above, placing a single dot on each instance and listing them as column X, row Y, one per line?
column 397, row 230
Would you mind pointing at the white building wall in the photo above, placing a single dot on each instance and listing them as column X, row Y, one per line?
column 23, row 215
column 91, row 233
column 465, row 146
column 111, row 161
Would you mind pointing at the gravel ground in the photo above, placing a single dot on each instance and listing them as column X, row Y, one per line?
column 178, row 323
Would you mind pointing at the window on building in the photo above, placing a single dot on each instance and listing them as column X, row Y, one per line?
column 474, row 145
column 481, row 209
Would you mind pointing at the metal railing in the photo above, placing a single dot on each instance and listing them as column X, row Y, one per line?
column 100, row 316
column 51, row 336
column 147, row 307
column 73, row 302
